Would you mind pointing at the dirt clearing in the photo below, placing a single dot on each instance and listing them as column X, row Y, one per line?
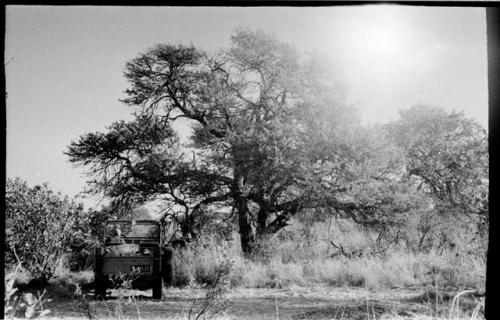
column 293, row 303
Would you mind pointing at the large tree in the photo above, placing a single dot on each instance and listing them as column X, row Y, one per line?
column 271, row 135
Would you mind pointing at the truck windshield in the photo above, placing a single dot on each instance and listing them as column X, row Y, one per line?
column 129, row 230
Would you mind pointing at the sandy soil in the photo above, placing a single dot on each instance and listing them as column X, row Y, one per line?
column 293, row 303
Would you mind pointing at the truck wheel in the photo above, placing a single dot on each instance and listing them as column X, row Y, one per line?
column 167, row 266
column 100, row 289
column 157, row 288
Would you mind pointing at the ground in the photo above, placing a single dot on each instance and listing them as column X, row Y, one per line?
column 294, row 303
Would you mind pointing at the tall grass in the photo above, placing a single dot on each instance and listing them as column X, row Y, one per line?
column 299, row 257
column 311, row 256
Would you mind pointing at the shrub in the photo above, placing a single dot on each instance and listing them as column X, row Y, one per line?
column 43, row 228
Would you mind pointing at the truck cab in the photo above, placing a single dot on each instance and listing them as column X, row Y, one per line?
column 133, row 250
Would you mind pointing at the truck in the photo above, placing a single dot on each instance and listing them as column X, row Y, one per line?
column 133, row 251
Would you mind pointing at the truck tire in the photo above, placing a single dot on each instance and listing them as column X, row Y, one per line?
column 100, row 289
column 157, row 289
column 167, row 266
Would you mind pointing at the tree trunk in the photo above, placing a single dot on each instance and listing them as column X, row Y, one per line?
column 282, row 220
column 279, row 223
column 261, row 221
column 187, row 225
column 247, row 237
column 245, row 223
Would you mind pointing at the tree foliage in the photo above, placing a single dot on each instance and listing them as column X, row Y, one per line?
column 447, row 158
column 271, row 135
column 449, row 153
column 43, row 227
column 266, row 129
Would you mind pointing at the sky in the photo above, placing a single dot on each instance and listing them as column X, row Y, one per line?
column 64, row 75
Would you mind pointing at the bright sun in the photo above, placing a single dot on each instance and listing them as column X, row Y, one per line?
column 379, row 34
column 380, row 44
column 383, row 42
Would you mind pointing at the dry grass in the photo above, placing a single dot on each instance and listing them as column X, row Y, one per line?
column 297, row 258
column 394, row 270
column 68, row 278
column 23, row 304
column 304, row 258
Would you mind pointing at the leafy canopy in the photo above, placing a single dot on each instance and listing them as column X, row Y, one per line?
column 43, row 228
column 269, row 135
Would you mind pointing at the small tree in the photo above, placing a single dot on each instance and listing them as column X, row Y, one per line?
column 447, row 158
column 42, row 227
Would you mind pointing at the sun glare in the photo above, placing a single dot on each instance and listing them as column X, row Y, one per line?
column 381, row 33
column 382, row 42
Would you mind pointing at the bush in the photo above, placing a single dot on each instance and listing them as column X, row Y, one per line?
column 43, row 229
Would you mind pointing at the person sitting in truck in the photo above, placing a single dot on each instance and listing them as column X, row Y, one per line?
column 117, row 236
